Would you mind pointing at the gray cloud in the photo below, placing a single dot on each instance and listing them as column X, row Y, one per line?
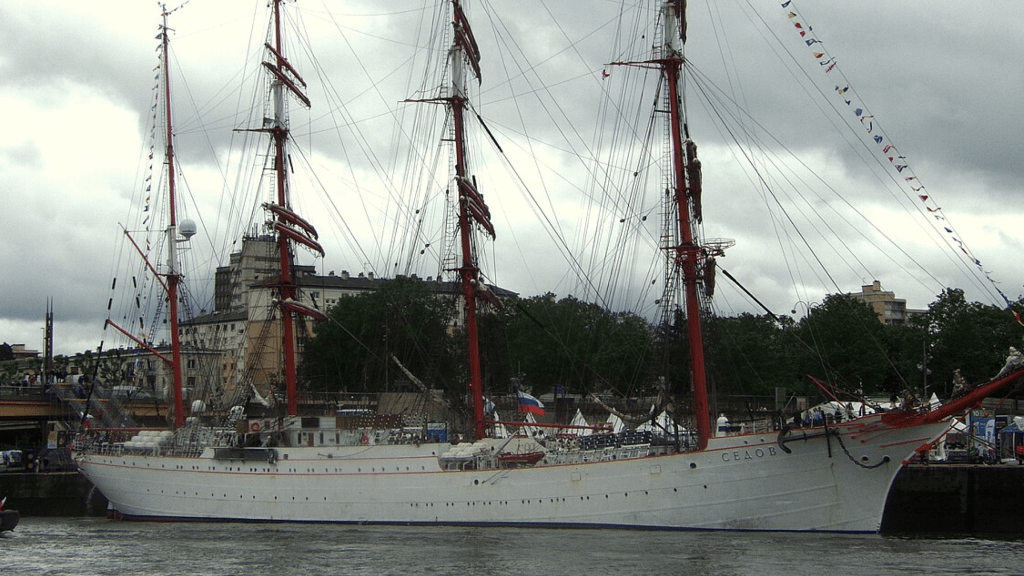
column 942, row 83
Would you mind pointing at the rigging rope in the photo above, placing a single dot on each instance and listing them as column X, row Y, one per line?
column 884, row 145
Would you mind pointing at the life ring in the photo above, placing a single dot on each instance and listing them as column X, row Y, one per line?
column 254, row 427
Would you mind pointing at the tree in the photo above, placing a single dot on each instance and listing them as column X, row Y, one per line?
column 8, row 372
column 752, row 355
column 908, row 359
column 578, row 345
column 112, row 369
column 549, row 342
column 843, row 343
column 61, row 363
column 353, row 350
column 971, row 337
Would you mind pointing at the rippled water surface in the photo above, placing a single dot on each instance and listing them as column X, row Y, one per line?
column 95, row 546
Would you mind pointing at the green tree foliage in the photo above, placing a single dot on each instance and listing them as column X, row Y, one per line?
column 113, row 368
column 578, row 345
column 8, row 372
column 352, row 351
column 969, row 336
column 753, row 355
column 61, row 364
column 549, row 342
column 672, row 353
column 498, row 363
column 544, row 341
column 905, row 349
column 843, row 343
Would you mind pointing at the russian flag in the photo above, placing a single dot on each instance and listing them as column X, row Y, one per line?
column 530, row 404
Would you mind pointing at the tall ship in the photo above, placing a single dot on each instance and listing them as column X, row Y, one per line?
column 337, row 467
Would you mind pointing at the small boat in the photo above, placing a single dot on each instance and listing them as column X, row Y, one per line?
column 524, row 459
column 8, row 518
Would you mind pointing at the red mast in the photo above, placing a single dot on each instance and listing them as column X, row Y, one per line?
column 286, row 77
column 471, row 206
column 691, row 256
column 187, row 229
column 686, row 176
column 471, row 203
column 173, row 276
column 280, row 135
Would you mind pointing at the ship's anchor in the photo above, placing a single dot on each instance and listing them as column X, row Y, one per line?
column 785, row 436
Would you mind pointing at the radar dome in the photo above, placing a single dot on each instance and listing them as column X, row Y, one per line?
column 187, row 228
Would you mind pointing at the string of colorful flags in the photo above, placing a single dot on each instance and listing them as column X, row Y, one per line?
column 148, row 181
column 153, row 123
column 897, row 161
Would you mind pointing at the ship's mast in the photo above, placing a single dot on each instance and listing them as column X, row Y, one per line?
column 688, row 253
column 173, row 275
column 472, row 208
column 471, row 205
column 187, row 229
column 290, row 227
column 280, row 136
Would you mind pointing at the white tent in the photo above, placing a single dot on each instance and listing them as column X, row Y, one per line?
column 579, row 420
column 661, row 426
column 499, row 429
column 616, row 423
column 532, row 431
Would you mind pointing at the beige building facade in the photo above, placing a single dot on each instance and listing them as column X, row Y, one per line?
column 889, row 308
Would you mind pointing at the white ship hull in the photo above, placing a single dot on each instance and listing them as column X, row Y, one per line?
column 739, row 483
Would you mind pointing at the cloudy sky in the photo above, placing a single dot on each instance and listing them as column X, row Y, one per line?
column 939, row 81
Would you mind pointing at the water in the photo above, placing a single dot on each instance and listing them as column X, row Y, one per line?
column 95, row 547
